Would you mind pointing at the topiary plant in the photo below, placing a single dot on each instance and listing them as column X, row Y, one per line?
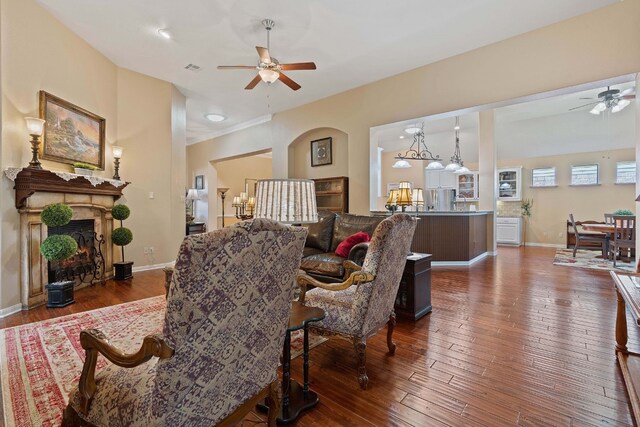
column 122, row 236
column 623, row 212
column 57, row 247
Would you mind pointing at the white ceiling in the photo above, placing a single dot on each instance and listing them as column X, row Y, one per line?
column 352, row 43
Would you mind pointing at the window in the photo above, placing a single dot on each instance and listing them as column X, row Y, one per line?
column 625, row 173
column 543, row 177
column 584, row 175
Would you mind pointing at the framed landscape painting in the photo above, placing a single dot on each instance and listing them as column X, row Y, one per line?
column 71, row 134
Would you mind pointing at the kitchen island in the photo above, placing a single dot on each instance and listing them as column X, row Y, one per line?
column 452, row 237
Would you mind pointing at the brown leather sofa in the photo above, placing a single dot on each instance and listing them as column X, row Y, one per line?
column 319, row 258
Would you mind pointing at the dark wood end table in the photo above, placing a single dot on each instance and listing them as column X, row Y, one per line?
column 296, row 398
column 413, row 300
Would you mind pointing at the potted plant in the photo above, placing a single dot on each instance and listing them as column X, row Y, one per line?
column 83, row 168
column 122, row 236
column 526, row 206
column 58, row 247
column 623, row 212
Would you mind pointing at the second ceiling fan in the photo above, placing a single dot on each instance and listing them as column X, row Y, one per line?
column 269, row 69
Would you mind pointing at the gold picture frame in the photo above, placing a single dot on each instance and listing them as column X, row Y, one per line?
column 71, row 133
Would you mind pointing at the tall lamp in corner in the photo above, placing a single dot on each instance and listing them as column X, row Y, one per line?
column 222, row 192
column 288, row 201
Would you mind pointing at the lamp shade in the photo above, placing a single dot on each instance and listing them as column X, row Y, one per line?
column 35, row 126
column 404, row 194
column 192, row 194
column 393, row 196
column 401, row 164
column 117, row 151
column 289, row 201
column 417, row 197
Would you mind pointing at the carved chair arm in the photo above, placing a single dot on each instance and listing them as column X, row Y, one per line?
column 94, row 342
column 355, row 278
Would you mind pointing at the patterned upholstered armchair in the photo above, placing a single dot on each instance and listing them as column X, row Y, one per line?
column 227, row 311
column 360, row 306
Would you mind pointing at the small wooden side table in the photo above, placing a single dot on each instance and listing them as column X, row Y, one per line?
column 413, row 299
column 296, row 398
column 196, row 228
column 628, row 294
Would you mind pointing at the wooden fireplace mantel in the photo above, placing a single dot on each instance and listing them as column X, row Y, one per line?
column 29, row 181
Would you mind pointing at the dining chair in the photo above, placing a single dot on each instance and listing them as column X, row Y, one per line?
column 608, row 219
column 624, row 238
column 585, row 238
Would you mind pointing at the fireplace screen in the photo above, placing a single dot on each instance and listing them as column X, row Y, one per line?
column 87, row 265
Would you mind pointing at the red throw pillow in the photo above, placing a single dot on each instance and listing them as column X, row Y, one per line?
column 345, row 246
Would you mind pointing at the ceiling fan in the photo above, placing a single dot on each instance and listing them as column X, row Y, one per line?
column 269, row 69
column 611, row 99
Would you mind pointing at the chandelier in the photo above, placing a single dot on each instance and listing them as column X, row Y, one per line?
column 417, row 151
column 457, row 165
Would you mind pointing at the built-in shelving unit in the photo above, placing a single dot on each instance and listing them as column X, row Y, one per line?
column 332, row 194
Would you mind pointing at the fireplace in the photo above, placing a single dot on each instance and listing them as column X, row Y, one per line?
column 91, row 199
column 87, row 265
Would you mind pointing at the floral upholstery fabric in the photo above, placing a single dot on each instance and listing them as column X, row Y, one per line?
column 360, row 311
column 227, row 311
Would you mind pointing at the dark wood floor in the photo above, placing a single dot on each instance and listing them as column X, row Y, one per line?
column 513, row 340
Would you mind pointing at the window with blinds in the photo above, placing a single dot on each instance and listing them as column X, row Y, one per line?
column 543, row 177
column 625, row 173
column 584, row 175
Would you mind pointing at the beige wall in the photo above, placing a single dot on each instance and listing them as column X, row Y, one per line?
column 572, row 52
column 552, row 206
column 39, row 53
column 231, row 174
column 300, row 155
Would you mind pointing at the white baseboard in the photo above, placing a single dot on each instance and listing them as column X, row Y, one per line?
column 492, row 253
column 546, row 245
column 459, row 263
column 152, row 267
column 10, row 310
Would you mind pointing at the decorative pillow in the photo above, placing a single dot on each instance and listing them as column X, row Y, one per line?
column 345, row 246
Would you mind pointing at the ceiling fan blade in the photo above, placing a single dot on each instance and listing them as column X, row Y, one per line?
column 253, row 82
column 586, row 98
column 628, row 97
column 627, row 91
column 299, row 66
column 286, row 80
column 582, row 106
column 263, row 52
column 236, row 67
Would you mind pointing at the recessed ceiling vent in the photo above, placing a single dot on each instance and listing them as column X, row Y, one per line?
column 192, row 67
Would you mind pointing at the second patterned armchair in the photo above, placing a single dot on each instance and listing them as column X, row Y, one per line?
column 227, row 312
column 359, row 307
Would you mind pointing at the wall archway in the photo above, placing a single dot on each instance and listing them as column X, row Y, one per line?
column 299, row 154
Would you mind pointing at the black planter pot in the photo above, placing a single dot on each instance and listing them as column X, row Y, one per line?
column 60, row 294
column 123, row 270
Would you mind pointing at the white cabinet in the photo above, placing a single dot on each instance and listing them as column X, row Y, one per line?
column 435, row 179
column 510, row 184
column 467, row 186
column 509, row 231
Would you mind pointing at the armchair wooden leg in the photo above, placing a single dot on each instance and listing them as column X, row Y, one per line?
column 391, row 324
column 361, row 352
column 273, row 402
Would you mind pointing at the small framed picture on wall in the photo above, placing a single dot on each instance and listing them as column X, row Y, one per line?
column 199, row 182
column 321, row 152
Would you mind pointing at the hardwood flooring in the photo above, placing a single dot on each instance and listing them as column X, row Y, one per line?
column 513, row 340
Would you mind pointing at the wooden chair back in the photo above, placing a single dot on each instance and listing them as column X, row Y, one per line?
column 608, row 219
column 573, row 224
column 625, row 227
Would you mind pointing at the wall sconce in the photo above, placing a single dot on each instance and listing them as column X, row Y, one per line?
column 35, row 127
column 117, row 154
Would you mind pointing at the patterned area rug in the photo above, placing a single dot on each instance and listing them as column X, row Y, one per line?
column 588, row 259
column 41, row 362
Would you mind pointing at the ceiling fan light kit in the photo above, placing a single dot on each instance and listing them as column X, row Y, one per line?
column 269, row 69
column 215, row 117
column 610, row 99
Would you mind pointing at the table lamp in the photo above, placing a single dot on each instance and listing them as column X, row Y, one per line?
column 404, row 195
column 417, row 198
column 288, row 201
